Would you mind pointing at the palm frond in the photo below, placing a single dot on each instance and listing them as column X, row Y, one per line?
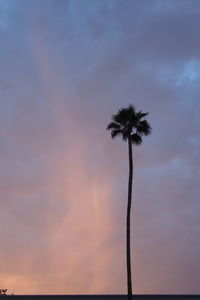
column 124, row 135
column 128, row 124
column 144, row 127
column 124, row 115
column 141, row 115
column 136, row 139
column 120, row 117
column 113, row 125
column 116, row 132
column 131, row 110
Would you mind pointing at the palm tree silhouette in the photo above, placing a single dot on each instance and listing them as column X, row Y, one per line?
column 129, row 124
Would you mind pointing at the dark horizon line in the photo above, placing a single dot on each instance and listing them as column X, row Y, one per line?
column 107, row 295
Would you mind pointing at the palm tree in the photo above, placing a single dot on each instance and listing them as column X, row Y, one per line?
column 129, row 124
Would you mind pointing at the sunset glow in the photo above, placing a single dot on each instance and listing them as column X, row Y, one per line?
column 66, row 67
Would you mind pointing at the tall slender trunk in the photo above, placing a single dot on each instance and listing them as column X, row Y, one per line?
column 128, row 242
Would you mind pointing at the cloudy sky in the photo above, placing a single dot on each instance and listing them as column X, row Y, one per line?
column 66, row 67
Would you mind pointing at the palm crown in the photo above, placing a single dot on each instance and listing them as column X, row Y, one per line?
column 129, row 124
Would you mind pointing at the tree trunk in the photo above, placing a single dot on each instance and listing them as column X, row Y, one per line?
column 128, row 242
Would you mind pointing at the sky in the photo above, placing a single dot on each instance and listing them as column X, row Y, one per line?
column 66, row 67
